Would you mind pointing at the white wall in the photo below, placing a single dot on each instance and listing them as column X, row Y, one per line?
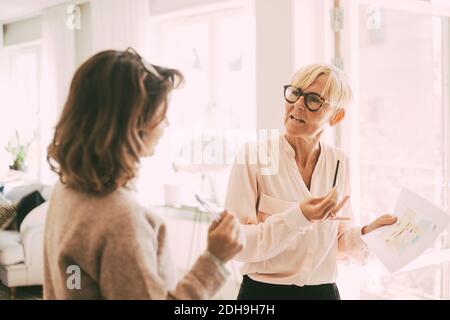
column 274, row 59
column 311, row 37
column 83, row 44
column 289, row 35
column 164, row 6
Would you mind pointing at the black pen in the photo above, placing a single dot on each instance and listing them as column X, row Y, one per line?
column 334, row 184
column 336, row 173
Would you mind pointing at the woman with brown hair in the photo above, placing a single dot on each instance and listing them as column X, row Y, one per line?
column 99, row 242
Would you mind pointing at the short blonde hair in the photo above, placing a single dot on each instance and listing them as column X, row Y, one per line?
column 337, row 88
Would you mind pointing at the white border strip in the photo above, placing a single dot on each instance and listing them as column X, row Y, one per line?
column 411, row 6
column 185, row 13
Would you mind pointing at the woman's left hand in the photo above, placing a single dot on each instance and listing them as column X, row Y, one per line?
column 384, row 220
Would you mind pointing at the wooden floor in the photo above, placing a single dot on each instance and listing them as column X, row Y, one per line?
column 22, row 293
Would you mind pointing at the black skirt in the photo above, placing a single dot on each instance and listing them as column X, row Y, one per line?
column 255, row 290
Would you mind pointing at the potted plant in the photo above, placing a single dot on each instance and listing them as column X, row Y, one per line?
column 18, row 151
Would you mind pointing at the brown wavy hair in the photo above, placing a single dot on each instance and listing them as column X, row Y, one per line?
column 113, row 99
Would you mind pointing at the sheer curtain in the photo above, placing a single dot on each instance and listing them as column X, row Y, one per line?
column 57, row 68
column 118, row 24
column 5, row 100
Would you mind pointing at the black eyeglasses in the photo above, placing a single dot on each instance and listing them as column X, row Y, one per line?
column 313, row 101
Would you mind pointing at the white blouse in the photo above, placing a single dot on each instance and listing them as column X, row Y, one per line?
column 282, row 246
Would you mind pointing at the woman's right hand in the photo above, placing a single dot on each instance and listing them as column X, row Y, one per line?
column 323, row 208
column 224, row 237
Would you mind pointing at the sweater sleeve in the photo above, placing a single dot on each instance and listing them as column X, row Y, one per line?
column 263, row 240
column 134, row 263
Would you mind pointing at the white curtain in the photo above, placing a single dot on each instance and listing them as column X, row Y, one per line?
column 6, row 102
column 57, row 69
column 118, row 24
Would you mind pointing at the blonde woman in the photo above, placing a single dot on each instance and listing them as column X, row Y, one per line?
column 296, row 224
column 96, row 230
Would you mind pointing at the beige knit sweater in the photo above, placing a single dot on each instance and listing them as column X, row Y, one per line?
column 121, row 249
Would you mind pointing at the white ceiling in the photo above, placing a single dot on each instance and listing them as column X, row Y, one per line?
column 16, row 9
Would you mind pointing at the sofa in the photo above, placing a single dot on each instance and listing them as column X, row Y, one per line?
column 21, row 252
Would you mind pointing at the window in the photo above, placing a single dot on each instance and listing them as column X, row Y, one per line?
column 21, row 102
column 215, row 53
column 402, row 132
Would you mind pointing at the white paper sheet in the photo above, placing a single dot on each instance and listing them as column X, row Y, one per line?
column 418, row 225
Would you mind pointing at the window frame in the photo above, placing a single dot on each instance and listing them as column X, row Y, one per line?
column 15, row 50
column 349, row 137
column 207, row 15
